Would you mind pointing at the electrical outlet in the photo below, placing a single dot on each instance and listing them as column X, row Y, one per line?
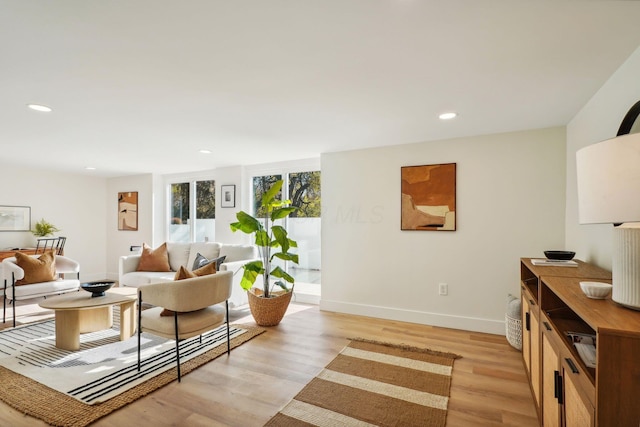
column 443, row 289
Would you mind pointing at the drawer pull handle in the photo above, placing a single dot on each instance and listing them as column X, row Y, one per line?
column 558, row 387
column 572, row 366
column 527, row 321
column 547, row 326
column 532, row 302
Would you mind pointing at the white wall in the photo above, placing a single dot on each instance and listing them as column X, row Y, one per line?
column 510, row 204
column 75, row 203
column 598, row 120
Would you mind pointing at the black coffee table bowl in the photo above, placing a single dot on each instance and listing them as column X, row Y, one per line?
column 98, row 287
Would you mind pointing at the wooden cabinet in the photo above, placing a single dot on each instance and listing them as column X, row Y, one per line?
column 530, row 277
column 570, row 393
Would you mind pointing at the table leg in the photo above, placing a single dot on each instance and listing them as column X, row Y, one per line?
column 68, row 329
column 96, row 319
column 127, row 319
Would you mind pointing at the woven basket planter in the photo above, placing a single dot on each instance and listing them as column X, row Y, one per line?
column 268, row 311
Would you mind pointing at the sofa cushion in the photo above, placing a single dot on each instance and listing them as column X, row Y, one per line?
column 209, row 250
column 36, row 270
column 178, row 255
column 154, row 259
column 238, row 252
column 35, row 290
column 137, row 278
column 201, row 261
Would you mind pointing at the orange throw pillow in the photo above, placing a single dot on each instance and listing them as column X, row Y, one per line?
column 37, row 270
column 154, row 259
column 183, row 273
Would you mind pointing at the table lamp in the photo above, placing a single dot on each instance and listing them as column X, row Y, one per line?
column 608, row 178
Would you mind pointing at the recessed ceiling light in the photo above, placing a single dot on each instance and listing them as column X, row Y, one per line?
column 90, row 168
column 205, row 151
column 447, row 116
column 38, row 107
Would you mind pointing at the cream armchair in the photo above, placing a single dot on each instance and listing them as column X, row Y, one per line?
column 11, row 273
column 196, row 306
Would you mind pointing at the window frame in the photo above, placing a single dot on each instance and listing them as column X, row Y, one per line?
column 191, row 179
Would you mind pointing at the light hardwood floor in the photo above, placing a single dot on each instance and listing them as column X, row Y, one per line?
column 489, row 386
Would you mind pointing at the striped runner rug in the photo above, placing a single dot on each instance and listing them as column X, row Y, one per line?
column 74, row 388
column 375, row 384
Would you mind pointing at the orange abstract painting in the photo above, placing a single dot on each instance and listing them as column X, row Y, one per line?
column 429, row 197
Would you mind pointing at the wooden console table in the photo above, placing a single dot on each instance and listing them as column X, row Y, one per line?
column 567, row 392
column 27, row 251
column 10, row 253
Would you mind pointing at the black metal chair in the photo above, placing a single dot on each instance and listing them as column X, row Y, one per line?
column 196, row 304
column 55, row 244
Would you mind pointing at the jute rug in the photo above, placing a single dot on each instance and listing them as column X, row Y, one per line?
column 74, row 389
column 375, row 384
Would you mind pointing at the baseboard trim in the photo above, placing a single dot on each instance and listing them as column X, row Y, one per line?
column 306, row 298
column 421, row 317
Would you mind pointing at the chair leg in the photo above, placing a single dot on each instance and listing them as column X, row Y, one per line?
column 228, row 339
column 4, row 303
column 139, row 324
column 13, row 292
column 175, row 317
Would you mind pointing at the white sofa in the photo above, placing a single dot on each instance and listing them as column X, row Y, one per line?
column 184, row 254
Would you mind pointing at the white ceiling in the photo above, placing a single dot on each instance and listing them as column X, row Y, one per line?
column 139, row 86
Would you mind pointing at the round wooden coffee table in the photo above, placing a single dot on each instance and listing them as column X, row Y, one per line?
column 79, row 313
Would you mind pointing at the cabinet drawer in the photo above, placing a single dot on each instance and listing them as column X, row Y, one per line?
column 579, row 378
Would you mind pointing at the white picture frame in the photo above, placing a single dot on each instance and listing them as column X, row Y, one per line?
column 15, row 218
column 228, row 196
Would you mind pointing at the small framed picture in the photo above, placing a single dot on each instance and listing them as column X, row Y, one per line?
column 228, row 197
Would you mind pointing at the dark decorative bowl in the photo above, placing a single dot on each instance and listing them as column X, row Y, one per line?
column 559, row 255
column 97, row 288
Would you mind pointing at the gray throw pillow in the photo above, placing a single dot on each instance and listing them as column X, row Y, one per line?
column 201, row 261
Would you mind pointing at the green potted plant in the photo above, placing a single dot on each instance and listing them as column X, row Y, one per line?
column 44, row 228
column 268, row 307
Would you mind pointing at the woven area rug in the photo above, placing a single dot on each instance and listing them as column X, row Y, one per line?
column 375, row 384
column 65, row 388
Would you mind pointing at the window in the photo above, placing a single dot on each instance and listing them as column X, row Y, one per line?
column 260, row 186
column 187, row 198
column 303, row 225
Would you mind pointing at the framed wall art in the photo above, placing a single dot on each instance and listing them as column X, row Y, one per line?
column 128, row 211
column 228, row 197
column 15, row 218
column 429, row 197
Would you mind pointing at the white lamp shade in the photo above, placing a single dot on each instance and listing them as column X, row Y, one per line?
column 608, row 176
